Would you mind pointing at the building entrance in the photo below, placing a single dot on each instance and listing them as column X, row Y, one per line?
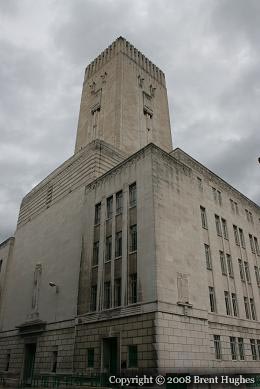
column 29, row 359
column 110, row 355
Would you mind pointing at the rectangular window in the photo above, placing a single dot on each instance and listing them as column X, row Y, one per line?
column 249, row 216
column 118, row 244
column 258, row 346
column 247, row 309
column 256, row 246
column 119, row 202
column 93, row 298
column 217, row 346
column 97, row 213
column 234, row 304
column 95, row 253
column 108, row 248
column 241, row 348
column 230, row 266
column 223, row 263
column 224, row 228
column 132, row 195
column 117, row 292
column 253, row 349
column 247, row 272
column 54, row 361
column 233, row 347
column 242, row 239
column 1, row 264
column 217, row 196
column 203, row 217
column 252, row 243
column 241, row 270
column 212, row 299
column 200, row 186
column 253, row 311
column 90, row 357
column 110, row 207
column 236, row 235
column 133, row 238
column 7, row 362
column 234, row 206
column 218, row 226
column 257, row 276
column 227, row 302
column 107, row 295
column 132, row 356
column 133, row 288
column 208, row 257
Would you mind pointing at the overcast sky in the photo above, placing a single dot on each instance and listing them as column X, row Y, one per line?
column 208, row 49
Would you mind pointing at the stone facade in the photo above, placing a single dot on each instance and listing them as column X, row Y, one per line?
column 130, row 257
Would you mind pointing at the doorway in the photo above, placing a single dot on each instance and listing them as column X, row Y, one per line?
column 29, row 359
column 110, row 355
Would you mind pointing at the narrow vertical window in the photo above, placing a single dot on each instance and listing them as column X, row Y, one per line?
column 133, row 288
column 117, row 292
column 247, row 309
column 230, row 266
column 233, row 347
column 118, row 244
column 107, row 295
column 54, row 361
column 200, row 186
column 1, row 264
column 241, row 348
column 95, row 253
column 132, row 356
column 132, row 195
column 133, row 238
column 247, row 272
column 253, row 349
column 224, row 228
column 208, row 257
column 234, row 304
column 218, row 226
column 108, row 248
column 253, row 311
column 217, row 346
column 257, row 276
column 90, row 357
column 212, row 299
column 223, row 263
column 256, row 246
column 119, row 202
column 236, row 235
column 203, row 217
column 110, row 207
column 93, row 298
column 97, row 213
column 7, row 362
column 242, row 239
column 241, row 270
column 227, row 302
column 252, row 243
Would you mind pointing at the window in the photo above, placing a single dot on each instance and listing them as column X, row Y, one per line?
column 249, row 216
column 119, row 202
column 256, row 246
column 247, row 309
column 54, row 361
column 247, row 272
column 234, row 304
column 208, row 257
column 218, row 226
column 93, row 298
column 252, row 306
column 200, row 186
column 110, row 207
column 90, row 357
column 236, row 235
column 233, row 347
column 132, row 195
column 223, row 263
column 227, row 302
column 241, row 270
column 95, row 253
column 108, row 248
column 253, row 349
column 217, row 346
column 234, row 206
column 241, row 348
column 133, row 238
column 242, row 239
column 212, row 299
column 257, row 276
column 97, row 213
column 224, row 228
column 217, row 196
column 117, row 290
column 7, row 362
column 133, row 288
column 203, row 217
column 132, row 356
column 230, row 266
column 107, row 295
column 252, row 243
column 1, row 264
column 118, row 245
column 258, row 347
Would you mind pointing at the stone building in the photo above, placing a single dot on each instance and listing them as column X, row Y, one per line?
column 130, row 255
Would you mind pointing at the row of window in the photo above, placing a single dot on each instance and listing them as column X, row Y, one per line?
column 231, row 304
column 107, row 298
column 222, row 230
column 132, row 356
column 237, row 348
column 119, row 204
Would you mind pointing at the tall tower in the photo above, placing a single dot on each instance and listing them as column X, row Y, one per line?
column 124, row 101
